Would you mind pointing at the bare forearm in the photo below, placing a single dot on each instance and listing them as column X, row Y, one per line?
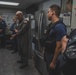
column 56, row 54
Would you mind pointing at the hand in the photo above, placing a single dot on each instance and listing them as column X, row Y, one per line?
column 12, row 36
column 16, row 30
column 0, row 30
column 52, row 65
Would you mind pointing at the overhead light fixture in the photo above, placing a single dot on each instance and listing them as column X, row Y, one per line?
column 9, row 3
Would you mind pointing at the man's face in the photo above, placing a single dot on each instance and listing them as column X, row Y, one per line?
column 14, row 20
column 69, row 7
column 49, row 14
column 19, row 16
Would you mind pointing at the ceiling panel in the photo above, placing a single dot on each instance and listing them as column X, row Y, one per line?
column 23, row 3
column 12, row 0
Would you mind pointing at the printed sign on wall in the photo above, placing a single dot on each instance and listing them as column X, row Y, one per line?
column 8, row 19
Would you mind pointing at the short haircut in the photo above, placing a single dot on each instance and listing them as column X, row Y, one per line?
column 56, row 9
column 19, row 12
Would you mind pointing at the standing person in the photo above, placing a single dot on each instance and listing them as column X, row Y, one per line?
column 22, row 32
column 2, row 32
column 55, row 34
column 69, row 5
column 13, row 36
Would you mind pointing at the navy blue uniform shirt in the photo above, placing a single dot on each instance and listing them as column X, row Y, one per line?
column 57, row 33
column 13, row 26
column 3, row 26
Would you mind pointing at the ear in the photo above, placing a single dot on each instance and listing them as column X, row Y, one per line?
column 53, row 13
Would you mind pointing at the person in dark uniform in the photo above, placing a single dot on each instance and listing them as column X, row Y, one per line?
column 2, row 32
column 23, row 40
column 55, row 35
column 13, row 36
